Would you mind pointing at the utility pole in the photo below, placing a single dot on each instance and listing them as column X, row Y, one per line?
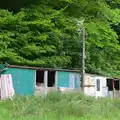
column 81, row 32
column 83, row 57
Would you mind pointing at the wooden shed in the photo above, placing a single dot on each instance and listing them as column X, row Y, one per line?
column 35, row 80
column 95, row 85
column 101, row 86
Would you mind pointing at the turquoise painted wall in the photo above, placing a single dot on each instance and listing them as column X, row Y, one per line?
column 64, row 79
column 23, row 80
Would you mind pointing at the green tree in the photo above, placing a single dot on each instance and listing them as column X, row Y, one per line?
column 45, row 34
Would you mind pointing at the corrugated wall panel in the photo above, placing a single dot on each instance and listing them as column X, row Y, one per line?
column 63, row 79
column 23, row 80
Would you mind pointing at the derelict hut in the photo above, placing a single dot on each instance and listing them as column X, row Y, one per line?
column 101, row 86
column 34, row 80
column 95, row 85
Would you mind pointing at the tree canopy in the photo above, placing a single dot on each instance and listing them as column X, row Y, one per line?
column 45, row 33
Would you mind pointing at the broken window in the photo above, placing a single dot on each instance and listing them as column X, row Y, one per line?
column 51, row 78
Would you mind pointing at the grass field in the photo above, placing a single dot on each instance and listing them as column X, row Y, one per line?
column 56, row 106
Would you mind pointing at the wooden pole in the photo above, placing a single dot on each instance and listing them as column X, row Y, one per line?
column 83, row 57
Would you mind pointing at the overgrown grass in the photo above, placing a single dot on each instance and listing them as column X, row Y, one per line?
column 57, row 106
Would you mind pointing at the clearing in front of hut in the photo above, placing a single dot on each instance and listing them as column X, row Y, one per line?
column 57, row 106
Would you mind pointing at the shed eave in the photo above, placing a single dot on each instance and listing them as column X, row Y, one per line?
column 40, row 68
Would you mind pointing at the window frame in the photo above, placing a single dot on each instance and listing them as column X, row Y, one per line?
column 98, row 85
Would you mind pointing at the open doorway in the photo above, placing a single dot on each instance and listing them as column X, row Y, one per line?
column 116, row 85
column 51, row 78
column 113, row 84
column 110, row 84
column 113, row 87
column 39, row 78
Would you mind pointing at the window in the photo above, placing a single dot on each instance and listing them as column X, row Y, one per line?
column 98, row 84
column 41, row 78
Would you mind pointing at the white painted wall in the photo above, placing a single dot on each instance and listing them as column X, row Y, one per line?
column 102, row 84
column 90, row 80
column 89, row 91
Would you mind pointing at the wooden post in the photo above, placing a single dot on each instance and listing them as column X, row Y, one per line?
column 83, row 57
column 56, row 80
column 46, row 78
column 46, row 82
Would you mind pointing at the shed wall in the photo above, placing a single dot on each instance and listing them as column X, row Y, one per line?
column 64, row 79
column 77, row 80
column 91, row 86
column 102, row 84
column 23, row 80
column 89, row 83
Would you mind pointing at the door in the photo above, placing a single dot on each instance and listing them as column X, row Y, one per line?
column 98, row 87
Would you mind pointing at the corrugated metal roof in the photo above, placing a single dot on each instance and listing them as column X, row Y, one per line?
column 58, row 69
column 40, row 68
column 108, row 77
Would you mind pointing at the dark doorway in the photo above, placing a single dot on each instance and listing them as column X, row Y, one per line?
column 51, row 78
column 39, row 77
column 110, row 84
column 116, row 84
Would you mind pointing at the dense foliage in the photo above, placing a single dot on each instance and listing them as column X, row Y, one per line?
column 46, row 34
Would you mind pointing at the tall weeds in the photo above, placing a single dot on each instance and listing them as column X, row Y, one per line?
column 57, row 106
